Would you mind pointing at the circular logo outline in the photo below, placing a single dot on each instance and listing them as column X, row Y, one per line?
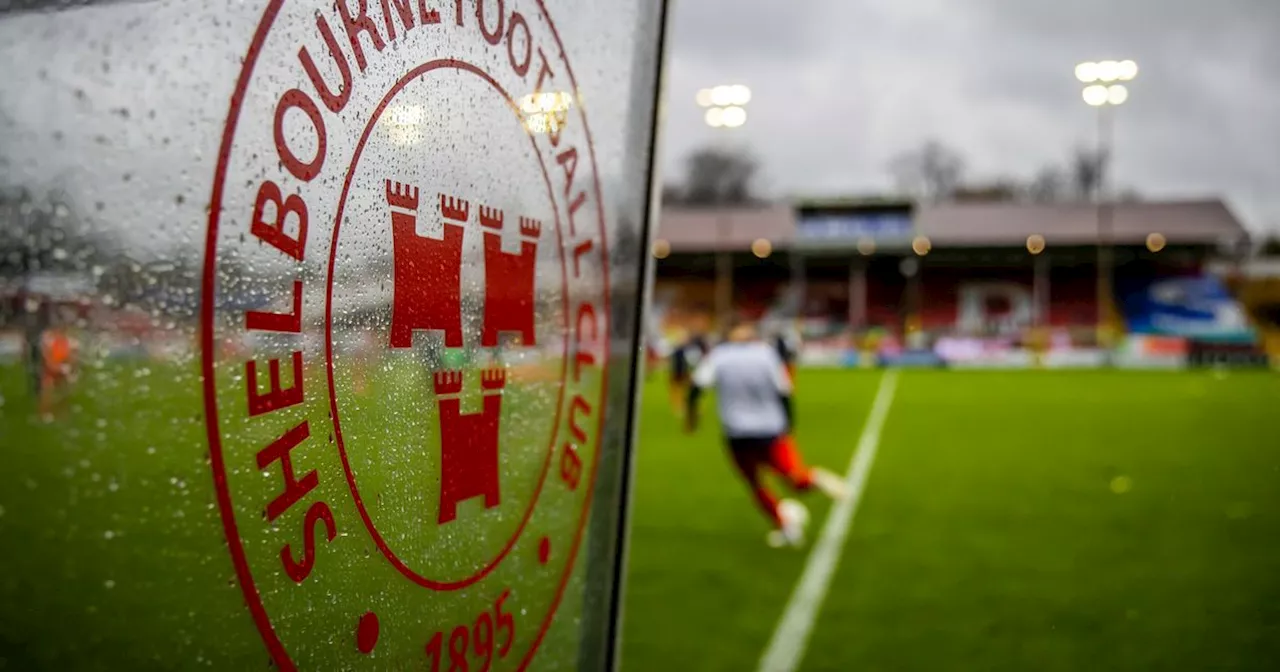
column 402, row 567
column 217, row 459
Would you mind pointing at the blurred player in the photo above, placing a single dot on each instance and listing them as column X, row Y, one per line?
column 57, row 352
column 37, row 317
column 753, row 395
column 684, row 360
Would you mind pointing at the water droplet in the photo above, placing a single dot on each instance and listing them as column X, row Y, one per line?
column 109, row 534
column 109, row 584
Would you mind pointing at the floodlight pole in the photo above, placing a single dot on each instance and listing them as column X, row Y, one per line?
column 1106, row 260
column 1105, row 89
column 724, row 268
column 723, row 252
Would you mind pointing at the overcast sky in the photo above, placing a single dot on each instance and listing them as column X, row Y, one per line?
column 841, row 86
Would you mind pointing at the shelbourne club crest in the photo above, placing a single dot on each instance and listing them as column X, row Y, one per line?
column 404, row 334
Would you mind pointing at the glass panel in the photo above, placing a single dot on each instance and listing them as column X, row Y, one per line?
column 318, row 332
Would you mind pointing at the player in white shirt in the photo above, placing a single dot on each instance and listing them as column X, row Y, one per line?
column 753, row 397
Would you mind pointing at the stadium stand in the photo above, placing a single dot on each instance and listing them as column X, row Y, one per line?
column 1016, row 274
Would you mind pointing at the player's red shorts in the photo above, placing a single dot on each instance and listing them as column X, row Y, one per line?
column 779, row 454
column 752, row 455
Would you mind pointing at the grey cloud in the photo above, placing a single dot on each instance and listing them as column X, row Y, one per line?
column 842, row 86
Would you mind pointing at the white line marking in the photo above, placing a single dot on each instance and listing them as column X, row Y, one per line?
column 786, row 649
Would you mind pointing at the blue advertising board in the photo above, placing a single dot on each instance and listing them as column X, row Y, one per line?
column 1195, row 307
column 854, row 226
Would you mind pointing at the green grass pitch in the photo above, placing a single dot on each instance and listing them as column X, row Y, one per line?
column 991, row 534
column 113, row 555
column 1012, row 521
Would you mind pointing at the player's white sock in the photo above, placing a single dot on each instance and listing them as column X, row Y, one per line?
column 830, row 484
column 794, row 519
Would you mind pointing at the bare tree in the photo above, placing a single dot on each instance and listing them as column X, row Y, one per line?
column 1271, row 246
column 934, row 173
column 1088, row 171
column 1080, row 179
column 715, row 177
column 931, row 173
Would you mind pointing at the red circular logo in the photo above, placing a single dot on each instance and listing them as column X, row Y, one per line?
column 427, row 294
column 404, row 333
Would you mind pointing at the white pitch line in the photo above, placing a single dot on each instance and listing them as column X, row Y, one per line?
column 786, row 649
